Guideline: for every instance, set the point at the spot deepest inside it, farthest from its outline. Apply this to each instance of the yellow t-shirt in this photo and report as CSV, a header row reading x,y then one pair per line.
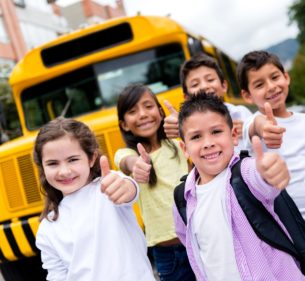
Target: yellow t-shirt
x,y
156,202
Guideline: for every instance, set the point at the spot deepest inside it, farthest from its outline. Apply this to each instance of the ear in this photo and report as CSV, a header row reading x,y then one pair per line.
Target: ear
x,y
92,161
161,111
234,135
124,126
225,86
287,77
183,148
246,96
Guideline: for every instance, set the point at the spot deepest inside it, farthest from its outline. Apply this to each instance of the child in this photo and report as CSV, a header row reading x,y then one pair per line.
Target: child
x,y
83,235
265,83
220,241
158,164
201,72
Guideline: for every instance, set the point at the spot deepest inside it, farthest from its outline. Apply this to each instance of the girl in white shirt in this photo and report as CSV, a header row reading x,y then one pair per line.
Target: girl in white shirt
x,y
88,230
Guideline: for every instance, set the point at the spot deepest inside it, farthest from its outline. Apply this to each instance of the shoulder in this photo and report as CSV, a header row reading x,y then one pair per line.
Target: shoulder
x,y
126,151
121,153
241,110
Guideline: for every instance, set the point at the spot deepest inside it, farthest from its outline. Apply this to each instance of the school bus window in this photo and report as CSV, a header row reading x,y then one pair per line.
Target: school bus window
x,y
87,44
95,86
158,68
67,98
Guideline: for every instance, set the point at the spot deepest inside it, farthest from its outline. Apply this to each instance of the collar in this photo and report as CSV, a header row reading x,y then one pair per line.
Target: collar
x,y
190,184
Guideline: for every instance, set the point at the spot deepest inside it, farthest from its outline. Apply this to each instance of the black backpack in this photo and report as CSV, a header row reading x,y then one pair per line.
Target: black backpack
x,y
262,222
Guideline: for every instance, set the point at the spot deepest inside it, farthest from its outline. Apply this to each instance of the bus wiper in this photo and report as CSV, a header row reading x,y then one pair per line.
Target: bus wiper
x,y
67,105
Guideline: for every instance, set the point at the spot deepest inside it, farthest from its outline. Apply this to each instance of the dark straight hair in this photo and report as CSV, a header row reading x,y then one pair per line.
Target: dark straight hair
x,y
127,100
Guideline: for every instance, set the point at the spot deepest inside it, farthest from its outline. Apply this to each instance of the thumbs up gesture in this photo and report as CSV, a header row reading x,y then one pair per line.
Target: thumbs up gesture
x,y
142,166
118,189
271,166
171,126
271,133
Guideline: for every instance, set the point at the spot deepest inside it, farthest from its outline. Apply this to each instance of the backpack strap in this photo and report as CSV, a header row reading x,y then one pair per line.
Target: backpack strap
x,y
291,217
262,222
180,200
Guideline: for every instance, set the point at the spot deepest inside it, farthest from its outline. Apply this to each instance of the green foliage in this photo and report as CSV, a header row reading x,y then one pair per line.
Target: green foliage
x,y
297,74
10,121
296,14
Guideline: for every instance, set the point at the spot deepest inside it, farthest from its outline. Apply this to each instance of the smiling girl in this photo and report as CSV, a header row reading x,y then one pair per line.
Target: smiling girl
x,y
157,163
88,229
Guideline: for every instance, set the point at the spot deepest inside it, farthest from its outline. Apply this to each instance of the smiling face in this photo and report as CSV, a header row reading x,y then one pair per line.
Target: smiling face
x,y
268,84
209,142
144,118
207,79
66,166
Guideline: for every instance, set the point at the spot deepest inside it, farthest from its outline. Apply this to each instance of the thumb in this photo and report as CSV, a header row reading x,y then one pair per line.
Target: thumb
x,y
105,167
170,108
269,113
257,148
144,155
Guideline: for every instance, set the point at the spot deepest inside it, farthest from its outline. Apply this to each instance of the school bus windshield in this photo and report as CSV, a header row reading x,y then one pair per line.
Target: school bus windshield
x,y
98,85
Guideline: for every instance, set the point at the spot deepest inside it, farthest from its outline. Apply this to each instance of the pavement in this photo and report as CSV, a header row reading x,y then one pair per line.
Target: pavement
x,y
1,278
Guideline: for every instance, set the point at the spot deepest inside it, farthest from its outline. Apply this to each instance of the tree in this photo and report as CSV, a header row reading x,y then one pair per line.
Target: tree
x,y
296,14
297,74
9,120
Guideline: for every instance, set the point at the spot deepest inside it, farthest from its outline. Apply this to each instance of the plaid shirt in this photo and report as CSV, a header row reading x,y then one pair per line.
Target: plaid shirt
x,y
256,260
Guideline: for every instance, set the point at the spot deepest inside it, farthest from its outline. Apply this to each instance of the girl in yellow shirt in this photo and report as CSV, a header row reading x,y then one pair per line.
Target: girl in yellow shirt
x,y
157,164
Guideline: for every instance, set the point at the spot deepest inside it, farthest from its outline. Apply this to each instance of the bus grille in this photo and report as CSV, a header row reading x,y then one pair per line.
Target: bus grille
x,y
28,179
11,184
21,188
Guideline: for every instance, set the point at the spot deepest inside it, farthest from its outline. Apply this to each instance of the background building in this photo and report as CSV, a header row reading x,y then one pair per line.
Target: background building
x,y
25,24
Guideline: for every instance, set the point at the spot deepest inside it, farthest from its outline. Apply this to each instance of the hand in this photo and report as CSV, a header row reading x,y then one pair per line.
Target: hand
x,y
171,126
119,190
271,166
238,125
271,133
141,168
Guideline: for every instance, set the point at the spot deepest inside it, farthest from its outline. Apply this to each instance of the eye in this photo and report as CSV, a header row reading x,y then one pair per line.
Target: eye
x,y
131,111
194,85
216,131
195,137
258,85
50,164
74,159
275,76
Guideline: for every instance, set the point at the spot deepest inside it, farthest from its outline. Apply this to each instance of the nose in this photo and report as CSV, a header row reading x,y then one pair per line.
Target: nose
x,y
207,143
205,87
270,85
64,170
142,112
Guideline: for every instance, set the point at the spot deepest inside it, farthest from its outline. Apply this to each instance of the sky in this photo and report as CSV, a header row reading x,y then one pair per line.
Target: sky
x,y
235,26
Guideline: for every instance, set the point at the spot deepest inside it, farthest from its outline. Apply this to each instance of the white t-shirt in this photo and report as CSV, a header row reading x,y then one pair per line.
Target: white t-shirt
x,y
239,112
292,150
213,232
93,239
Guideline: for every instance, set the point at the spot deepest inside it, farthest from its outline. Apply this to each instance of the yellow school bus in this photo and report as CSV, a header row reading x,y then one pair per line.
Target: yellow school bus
x,y
80,75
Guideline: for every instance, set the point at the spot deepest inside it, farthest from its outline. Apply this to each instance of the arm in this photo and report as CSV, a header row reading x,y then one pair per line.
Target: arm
x,y
119,188
49,257
180,227
138,166
265,126
267,175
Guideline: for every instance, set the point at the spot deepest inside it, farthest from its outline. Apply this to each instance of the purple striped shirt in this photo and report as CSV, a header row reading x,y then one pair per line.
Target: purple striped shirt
x,y
256,260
